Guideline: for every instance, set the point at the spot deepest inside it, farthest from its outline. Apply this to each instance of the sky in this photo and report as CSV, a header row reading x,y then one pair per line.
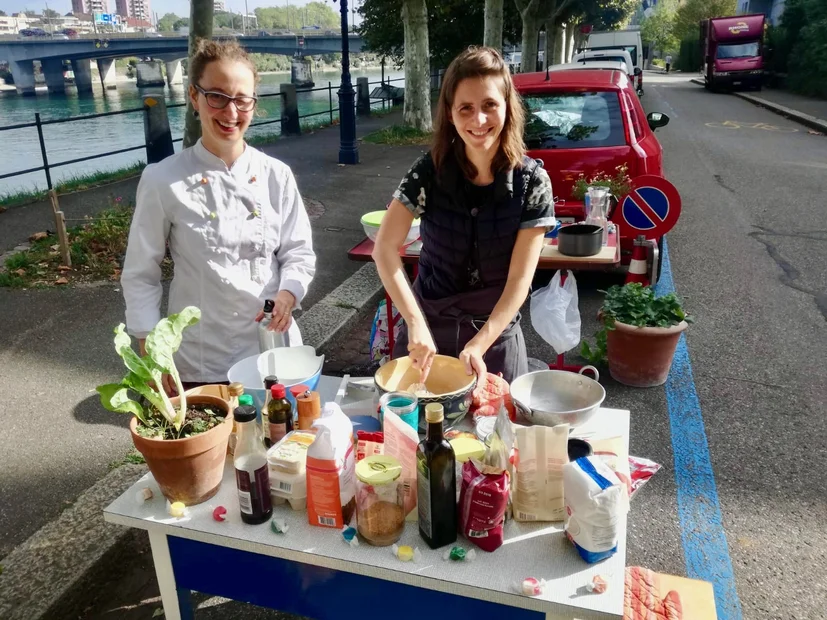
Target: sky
x,y
179,7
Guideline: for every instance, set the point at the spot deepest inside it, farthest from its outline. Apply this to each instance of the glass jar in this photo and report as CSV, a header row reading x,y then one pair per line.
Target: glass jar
x,y
380,500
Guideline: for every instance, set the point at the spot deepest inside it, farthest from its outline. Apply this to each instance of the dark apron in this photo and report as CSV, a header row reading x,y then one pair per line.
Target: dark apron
x,y
455,320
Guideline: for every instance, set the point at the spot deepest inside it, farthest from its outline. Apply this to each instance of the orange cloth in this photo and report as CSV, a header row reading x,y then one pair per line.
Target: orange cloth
x,y
642,601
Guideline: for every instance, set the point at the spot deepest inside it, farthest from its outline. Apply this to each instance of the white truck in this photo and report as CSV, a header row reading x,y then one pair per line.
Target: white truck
x,y
628,40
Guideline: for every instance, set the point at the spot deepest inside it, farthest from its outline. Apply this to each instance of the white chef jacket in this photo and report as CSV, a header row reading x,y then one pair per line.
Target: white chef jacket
x,y
237,235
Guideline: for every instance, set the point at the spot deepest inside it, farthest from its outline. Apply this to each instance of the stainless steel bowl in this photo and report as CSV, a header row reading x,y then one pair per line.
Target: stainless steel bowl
x,y
551,397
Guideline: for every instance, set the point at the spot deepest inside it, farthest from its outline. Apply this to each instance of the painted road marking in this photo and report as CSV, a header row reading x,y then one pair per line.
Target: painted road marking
x,y
740,125
706,553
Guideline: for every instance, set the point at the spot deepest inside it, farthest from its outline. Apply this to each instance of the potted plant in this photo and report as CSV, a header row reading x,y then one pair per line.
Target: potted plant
x,y
638,335
619,185
183,439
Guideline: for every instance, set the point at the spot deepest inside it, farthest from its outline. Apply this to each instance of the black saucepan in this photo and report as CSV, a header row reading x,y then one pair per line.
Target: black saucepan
x,y
580,239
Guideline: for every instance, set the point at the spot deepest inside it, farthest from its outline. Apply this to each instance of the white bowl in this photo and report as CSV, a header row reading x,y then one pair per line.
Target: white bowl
x,y
373,231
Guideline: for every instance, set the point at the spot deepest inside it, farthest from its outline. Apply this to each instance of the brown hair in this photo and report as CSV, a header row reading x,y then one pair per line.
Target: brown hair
x,y
207,51
478,62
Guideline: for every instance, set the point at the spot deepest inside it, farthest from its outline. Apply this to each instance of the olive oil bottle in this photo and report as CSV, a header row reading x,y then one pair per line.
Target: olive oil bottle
x,y
436,483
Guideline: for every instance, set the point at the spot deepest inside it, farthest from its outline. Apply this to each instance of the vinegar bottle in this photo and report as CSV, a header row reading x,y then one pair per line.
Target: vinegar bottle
x,y
251,473
436,483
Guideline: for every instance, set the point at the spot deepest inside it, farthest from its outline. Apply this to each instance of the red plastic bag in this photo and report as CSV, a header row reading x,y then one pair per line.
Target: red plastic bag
x,y
488,399
482,504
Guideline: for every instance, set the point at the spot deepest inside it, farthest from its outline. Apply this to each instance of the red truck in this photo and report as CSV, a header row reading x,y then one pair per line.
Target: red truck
x,y
732,51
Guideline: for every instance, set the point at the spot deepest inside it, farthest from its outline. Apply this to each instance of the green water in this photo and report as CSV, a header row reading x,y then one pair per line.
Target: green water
x,y
65,141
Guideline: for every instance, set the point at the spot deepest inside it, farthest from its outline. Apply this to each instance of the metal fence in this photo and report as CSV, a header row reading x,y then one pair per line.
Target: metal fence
x,y
47,166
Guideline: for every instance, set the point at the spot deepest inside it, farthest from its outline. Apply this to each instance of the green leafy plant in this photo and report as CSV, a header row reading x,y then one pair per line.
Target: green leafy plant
x,y
145,374
636,305
619,183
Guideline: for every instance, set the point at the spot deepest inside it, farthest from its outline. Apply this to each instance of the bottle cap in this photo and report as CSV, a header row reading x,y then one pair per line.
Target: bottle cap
x,y
245,399
298,390
269,304
378,469
278,391
270,381
434,412
236,389
244,413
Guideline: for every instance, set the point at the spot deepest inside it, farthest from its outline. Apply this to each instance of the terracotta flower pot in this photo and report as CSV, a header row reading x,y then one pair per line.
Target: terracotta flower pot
x,y
188,470
642,356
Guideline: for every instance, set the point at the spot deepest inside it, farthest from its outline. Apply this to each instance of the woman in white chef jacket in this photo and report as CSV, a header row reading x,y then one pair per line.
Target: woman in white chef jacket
x,y
237,229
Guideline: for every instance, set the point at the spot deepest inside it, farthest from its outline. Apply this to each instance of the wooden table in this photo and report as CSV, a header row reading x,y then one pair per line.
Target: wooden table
x,y
311,571
550,259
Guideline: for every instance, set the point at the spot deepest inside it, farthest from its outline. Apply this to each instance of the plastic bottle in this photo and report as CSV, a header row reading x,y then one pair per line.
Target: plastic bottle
x,y
251,471
268,339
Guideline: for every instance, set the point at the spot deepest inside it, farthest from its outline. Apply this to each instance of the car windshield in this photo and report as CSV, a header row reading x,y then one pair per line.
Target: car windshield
x,y
602,59
573,120
738,50
632,49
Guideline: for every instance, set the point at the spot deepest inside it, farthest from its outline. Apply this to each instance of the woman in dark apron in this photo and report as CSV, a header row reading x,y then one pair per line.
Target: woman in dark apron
x,y
485,208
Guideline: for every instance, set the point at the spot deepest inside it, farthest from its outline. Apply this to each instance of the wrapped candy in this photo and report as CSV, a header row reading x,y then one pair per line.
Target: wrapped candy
x,y
349,536
177,510
459,554
144,495
219,514
405,553
279,526
597,585
531,586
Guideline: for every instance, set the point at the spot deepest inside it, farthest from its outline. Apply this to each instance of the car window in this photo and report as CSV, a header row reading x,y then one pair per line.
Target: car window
x,y
632,49
736,50
573,120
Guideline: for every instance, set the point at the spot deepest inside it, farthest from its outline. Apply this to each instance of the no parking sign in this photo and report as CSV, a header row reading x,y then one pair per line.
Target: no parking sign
x,y
651,208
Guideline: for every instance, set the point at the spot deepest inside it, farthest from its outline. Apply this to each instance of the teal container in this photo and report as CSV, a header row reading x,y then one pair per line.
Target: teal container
x,y
403,404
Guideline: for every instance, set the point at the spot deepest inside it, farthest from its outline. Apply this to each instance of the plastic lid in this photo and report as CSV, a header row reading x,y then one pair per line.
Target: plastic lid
x,y
245,399
298,390
378,469
270,381
374,218
269,304
236,389
278,391
244,413
434,412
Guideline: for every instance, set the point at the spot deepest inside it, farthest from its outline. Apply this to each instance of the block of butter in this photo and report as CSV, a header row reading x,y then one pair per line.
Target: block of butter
x,y
290,454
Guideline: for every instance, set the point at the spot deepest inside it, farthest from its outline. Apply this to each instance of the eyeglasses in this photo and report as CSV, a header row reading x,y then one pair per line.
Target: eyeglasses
x,y
219,101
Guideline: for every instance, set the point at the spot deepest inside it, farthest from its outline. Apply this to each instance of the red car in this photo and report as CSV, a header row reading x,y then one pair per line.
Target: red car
x,y
588,121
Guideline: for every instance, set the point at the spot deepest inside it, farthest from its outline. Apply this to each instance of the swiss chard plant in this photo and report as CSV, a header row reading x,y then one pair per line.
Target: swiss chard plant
x,y
145,374
636,305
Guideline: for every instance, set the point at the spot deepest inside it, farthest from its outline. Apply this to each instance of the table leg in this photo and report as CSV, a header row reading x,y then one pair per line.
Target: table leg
x,y
176,601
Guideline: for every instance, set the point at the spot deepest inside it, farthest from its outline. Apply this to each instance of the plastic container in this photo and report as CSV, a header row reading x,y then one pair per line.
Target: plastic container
x,y
379,500
373,220
403,404
290,488
290,454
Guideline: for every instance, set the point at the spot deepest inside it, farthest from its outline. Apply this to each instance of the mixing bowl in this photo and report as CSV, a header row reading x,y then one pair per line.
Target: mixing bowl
x,y
371,222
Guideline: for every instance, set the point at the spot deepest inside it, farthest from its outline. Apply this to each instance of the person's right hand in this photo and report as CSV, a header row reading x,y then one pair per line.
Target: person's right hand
x,y
421,349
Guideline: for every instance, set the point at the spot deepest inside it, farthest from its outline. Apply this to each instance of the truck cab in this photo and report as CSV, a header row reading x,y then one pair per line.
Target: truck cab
x,y
732,49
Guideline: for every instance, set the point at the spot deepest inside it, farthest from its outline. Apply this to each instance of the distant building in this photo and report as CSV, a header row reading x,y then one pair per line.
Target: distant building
x,y
218,5
773,9
138,9
90,6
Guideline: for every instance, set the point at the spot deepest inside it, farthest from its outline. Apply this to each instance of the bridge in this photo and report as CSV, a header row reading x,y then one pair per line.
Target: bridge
x,y
53,52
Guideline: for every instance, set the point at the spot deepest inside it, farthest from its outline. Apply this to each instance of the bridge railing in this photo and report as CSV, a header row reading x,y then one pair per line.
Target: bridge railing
x,y
41,124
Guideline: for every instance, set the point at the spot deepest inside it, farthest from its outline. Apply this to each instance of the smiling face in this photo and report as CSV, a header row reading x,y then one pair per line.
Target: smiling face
x,y
478,113
222,130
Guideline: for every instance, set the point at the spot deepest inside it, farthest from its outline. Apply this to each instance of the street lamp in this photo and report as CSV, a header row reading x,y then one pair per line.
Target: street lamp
x,y
348,149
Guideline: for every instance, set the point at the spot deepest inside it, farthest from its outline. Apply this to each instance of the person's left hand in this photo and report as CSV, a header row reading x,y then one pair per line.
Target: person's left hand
x,y
282,312
471,356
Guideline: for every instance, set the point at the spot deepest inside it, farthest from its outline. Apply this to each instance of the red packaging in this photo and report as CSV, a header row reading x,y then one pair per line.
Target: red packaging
x,y
482,504
369,443
488,398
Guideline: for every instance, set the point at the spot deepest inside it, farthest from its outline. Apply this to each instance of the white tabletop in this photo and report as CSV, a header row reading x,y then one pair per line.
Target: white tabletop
x,y
530,550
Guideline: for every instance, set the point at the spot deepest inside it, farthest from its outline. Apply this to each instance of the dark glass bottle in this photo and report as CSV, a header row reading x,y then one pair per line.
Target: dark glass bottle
x,y
251,471
269,382
436,483
279,414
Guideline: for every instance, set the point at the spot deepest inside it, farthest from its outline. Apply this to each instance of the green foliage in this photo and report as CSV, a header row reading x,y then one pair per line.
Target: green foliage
x,y
657,29
691,12
636,305
619,183
689,56
167,22
602,14
453,25
292,17
803,46
399,135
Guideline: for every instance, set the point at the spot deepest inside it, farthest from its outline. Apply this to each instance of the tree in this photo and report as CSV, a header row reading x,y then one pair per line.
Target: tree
x,y
184,22
658,26
691,12
49,13
201,20
534,14
417,110
167,22
3,14
801,45
493,36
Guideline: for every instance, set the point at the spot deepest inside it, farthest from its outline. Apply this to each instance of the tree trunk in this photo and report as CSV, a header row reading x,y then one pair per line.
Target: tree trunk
x,y
571,28
417,111
493,35
531,33
559,31
201,17
548,49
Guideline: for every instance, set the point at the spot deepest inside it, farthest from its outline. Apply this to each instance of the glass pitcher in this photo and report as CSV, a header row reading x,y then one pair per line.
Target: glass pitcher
x,y
598,209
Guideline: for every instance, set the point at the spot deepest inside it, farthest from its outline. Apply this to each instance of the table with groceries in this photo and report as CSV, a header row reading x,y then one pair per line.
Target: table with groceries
x,y
460,497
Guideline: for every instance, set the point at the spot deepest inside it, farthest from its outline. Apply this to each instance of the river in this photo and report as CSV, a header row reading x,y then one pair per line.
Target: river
x,y
66,141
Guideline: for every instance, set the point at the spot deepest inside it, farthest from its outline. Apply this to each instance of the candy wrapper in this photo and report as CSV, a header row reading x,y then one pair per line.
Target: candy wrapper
x,y
279,526
641,470
349,536
459,554
220,513
530,586
597,585
405,553
143,496
177,510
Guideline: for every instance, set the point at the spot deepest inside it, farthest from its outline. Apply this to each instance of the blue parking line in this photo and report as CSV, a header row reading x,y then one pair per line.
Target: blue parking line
x,y
706,552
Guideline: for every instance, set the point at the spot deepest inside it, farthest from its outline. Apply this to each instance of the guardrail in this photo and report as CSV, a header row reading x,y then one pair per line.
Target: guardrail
x,y
47,166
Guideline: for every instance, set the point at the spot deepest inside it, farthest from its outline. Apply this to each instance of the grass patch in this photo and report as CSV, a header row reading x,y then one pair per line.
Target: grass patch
x,y
72,184
399,135
133,458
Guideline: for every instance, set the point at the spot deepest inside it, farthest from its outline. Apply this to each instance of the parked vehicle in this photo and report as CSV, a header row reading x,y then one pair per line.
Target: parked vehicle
x,y
628,40
603,65
70,32
581,122
732,50
34,32
591,57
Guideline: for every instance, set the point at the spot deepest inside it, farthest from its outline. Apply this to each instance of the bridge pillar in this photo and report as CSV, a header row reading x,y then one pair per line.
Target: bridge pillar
x,y
53,72
175,76
289,110
362,97
23,73
108,74
149,74
301,73
83,74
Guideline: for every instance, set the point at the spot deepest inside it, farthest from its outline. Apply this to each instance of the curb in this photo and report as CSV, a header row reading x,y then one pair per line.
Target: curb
x,y
800,117
48,576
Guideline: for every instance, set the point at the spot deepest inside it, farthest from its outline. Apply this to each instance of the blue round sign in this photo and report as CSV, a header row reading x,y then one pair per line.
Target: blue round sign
x,y
651,208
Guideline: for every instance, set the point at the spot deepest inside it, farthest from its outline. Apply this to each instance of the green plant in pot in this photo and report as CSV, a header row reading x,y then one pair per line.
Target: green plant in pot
x,y
184,438
638,335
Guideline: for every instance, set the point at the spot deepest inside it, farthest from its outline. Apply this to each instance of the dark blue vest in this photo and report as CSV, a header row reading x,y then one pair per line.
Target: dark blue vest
x,y
468,247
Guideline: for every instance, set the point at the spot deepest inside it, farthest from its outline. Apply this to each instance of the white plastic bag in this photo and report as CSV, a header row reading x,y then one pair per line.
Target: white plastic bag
x,y
555,314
